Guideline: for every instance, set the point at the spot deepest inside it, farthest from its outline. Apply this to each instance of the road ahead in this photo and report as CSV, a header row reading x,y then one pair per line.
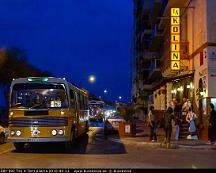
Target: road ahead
x,y
96,151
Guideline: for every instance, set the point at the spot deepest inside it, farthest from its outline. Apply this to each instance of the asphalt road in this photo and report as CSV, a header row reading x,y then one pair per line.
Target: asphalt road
x,y
95,150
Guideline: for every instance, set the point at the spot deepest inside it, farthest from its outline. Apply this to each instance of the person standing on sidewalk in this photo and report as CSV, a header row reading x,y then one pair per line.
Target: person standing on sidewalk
x,y
168,117
190,118
212,125
177,119
152,124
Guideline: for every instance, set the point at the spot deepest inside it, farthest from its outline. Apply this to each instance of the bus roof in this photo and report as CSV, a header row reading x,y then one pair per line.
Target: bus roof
x,y
48,80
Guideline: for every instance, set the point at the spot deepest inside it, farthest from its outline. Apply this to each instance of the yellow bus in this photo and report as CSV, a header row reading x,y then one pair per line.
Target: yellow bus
x,y
46,109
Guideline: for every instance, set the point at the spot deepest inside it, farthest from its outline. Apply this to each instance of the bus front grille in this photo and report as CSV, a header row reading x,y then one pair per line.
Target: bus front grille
x,y
44,122
31,113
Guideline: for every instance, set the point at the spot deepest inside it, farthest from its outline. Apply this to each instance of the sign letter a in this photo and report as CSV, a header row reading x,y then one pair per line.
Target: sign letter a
x,y
175,12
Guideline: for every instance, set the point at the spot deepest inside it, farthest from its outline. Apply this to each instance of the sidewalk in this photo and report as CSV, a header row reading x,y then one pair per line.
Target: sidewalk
x,y
142,138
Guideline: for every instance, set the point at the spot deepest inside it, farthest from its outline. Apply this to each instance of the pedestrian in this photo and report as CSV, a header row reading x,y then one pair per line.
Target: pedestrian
x,y
168,117
177,119
152,124
190,118
185,107
177,126
212,125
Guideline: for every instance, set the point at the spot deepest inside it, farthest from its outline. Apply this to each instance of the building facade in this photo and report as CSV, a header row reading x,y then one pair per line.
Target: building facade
x,y
160,40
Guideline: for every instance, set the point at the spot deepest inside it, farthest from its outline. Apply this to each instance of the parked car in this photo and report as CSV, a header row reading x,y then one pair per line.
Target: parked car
x,y
2,135
111,124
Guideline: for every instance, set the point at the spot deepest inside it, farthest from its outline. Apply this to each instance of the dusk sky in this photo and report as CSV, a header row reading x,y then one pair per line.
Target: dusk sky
x,y
74,39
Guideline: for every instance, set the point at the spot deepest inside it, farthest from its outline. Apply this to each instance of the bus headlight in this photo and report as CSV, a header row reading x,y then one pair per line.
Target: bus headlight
x,y
18,133
54,132
60,132
12,133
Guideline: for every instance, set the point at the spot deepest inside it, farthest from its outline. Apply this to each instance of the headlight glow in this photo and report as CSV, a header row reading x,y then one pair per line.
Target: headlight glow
x,y
60,132
18,133
54,132
12,133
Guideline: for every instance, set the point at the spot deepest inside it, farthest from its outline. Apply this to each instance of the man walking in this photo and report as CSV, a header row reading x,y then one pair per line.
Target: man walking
x,y
212,125
152,124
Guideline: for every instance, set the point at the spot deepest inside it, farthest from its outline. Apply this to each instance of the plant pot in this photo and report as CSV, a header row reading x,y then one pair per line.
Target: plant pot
x,y
127,129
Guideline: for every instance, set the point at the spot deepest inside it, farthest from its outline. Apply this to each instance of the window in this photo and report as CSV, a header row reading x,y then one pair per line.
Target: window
x,y
72,98
39,96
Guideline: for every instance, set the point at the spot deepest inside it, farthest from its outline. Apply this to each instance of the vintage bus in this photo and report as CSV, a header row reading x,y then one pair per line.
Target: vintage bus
x,y
46,109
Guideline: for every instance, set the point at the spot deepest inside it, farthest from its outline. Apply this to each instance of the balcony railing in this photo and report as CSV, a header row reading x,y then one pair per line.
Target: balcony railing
x,y
155,70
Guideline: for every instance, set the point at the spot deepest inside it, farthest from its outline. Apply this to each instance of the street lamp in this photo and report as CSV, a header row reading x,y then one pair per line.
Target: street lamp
x,y
91,79
105,91
120,97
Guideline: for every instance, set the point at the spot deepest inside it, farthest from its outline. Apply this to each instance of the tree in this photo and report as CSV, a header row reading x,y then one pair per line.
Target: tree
x,y
14,64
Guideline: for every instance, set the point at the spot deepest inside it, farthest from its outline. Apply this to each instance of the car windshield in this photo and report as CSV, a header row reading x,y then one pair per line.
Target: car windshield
x,y
39,96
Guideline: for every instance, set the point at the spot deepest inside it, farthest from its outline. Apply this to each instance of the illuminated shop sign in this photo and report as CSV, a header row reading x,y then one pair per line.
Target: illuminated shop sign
x,y
175,39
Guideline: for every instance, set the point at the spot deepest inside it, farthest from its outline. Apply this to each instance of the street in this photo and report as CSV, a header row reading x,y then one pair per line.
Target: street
x,y
94,150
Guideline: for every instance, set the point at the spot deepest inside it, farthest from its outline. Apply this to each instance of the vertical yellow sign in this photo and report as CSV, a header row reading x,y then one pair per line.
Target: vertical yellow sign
x,y
175,39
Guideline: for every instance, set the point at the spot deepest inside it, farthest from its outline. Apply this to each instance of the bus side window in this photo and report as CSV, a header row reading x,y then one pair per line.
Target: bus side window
x,y
72,98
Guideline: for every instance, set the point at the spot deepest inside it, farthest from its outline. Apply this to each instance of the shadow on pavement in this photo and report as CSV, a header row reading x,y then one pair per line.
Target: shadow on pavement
x,y
96,144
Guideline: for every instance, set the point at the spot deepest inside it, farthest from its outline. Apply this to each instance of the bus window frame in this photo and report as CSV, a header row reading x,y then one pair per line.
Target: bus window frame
x,y
72,101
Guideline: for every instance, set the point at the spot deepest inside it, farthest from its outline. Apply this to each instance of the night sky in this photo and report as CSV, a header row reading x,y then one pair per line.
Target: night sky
x,y
74,39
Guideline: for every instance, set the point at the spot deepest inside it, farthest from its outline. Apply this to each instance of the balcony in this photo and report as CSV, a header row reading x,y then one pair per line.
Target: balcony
x,y
156,7
150,87
155,70
157,38
151,55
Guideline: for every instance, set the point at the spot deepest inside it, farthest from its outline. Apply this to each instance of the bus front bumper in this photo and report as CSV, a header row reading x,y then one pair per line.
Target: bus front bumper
x,y
36,140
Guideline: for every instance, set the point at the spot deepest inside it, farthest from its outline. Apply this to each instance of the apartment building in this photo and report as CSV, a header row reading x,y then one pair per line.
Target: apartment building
x,y
175,55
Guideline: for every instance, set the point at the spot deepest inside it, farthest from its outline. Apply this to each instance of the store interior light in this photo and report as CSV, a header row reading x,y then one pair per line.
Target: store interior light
x,y
174,91
191,85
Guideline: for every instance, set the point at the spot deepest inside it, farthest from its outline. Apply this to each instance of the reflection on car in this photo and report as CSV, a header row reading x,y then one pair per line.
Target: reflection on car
x,y
112,123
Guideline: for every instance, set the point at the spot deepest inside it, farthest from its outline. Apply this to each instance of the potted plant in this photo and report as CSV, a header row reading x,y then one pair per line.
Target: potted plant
x,y
127,127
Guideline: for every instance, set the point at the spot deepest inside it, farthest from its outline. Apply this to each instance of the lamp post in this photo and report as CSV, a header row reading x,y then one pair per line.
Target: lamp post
x,y
91,79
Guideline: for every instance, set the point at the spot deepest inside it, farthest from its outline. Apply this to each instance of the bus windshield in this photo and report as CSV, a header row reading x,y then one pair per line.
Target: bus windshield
x,y
39,96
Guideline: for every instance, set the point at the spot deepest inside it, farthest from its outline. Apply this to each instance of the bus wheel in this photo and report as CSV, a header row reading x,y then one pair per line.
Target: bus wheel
x,y
20,146
2,138
69,144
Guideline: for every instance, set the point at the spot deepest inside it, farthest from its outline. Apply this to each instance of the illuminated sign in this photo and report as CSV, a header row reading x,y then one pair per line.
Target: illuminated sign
x,y
175,39
175,65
